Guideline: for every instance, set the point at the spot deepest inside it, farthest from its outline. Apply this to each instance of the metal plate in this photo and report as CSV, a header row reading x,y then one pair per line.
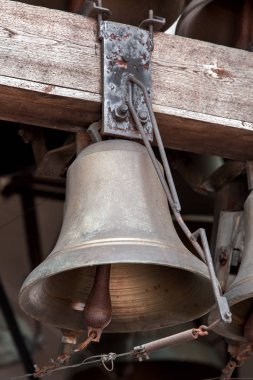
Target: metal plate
x,y
126,49
229,246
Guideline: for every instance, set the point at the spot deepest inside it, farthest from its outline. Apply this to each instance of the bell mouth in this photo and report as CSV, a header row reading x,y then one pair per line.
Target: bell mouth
x,y
150,287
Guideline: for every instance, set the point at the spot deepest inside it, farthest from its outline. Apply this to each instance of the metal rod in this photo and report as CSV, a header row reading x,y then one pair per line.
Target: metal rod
x,y
175,209
149,149
180,338
100,19
151,29
94,131
172,196
159,143
15,331
221,301
228,371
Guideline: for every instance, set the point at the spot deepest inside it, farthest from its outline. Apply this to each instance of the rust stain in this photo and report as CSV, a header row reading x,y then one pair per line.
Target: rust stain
x,y
48,88
214,71
114,36
221,73
121,63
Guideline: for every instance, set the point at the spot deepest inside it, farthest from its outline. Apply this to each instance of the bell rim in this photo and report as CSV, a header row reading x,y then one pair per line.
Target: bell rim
x,y
31,281
192,9
234,296
233,331
229,331
98,258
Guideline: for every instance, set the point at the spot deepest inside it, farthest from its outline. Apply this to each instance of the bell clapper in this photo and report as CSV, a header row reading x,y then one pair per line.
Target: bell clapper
x,y
98,310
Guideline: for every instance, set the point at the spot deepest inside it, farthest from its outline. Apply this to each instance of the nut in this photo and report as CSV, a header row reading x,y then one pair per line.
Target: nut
x,y
143,116
121,112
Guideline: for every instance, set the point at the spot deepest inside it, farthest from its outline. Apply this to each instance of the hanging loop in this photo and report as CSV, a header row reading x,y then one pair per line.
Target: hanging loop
x,y
108,358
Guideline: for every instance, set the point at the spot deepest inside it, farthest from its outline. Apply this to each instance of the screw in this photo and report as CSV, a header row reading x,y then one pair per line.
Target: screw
x,y
143,116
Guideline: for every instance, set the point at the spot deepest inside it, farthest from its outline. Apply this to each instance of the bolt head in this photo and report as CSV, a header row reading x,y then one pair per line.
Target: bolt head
x,y
122,109
121,112
143,116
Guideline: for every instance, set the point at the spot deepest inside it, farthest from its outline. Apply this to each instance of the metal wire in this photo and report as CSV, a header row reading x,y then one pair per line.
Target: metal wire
x,y
103,358
108,360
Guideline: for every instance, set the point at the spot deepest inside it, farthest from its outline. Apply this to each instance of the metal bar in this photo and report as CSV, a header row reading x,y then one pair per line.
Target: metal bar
x,y
180,338
221,301
159,142
174,204
228,371
15,331
222,304
151,29
149,149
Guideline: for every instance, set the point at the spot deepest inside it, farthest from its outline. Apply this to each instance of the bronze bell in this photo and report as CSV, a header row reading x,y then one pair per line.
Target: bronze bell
x,y
133,12
240,293
224,22
116,212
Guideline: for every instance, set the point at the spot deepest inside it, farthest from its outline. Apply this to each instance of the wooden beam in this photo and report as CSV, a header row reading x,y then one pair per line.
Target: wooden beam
x,y
50,76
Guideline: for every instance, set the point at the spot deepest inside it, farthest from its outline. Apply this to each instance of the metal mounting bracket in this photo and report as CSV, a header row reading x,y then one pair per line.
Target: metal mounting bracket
x,y
91,9
156,21
126,50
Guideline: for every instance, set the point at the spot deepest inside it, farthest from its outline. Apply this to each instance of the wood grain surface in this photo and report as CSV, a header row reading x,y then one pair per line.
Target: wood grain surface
x,y
50,76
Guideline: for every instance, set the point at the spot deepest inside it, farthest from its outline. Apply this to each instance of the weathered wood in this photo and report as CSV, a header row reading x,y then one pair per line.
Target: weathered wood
x,y
50,76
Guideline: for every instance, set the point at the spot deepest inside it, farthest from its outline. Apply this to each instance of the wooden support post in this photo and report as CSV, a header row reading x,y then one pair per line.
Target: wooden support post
x,y
50,76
